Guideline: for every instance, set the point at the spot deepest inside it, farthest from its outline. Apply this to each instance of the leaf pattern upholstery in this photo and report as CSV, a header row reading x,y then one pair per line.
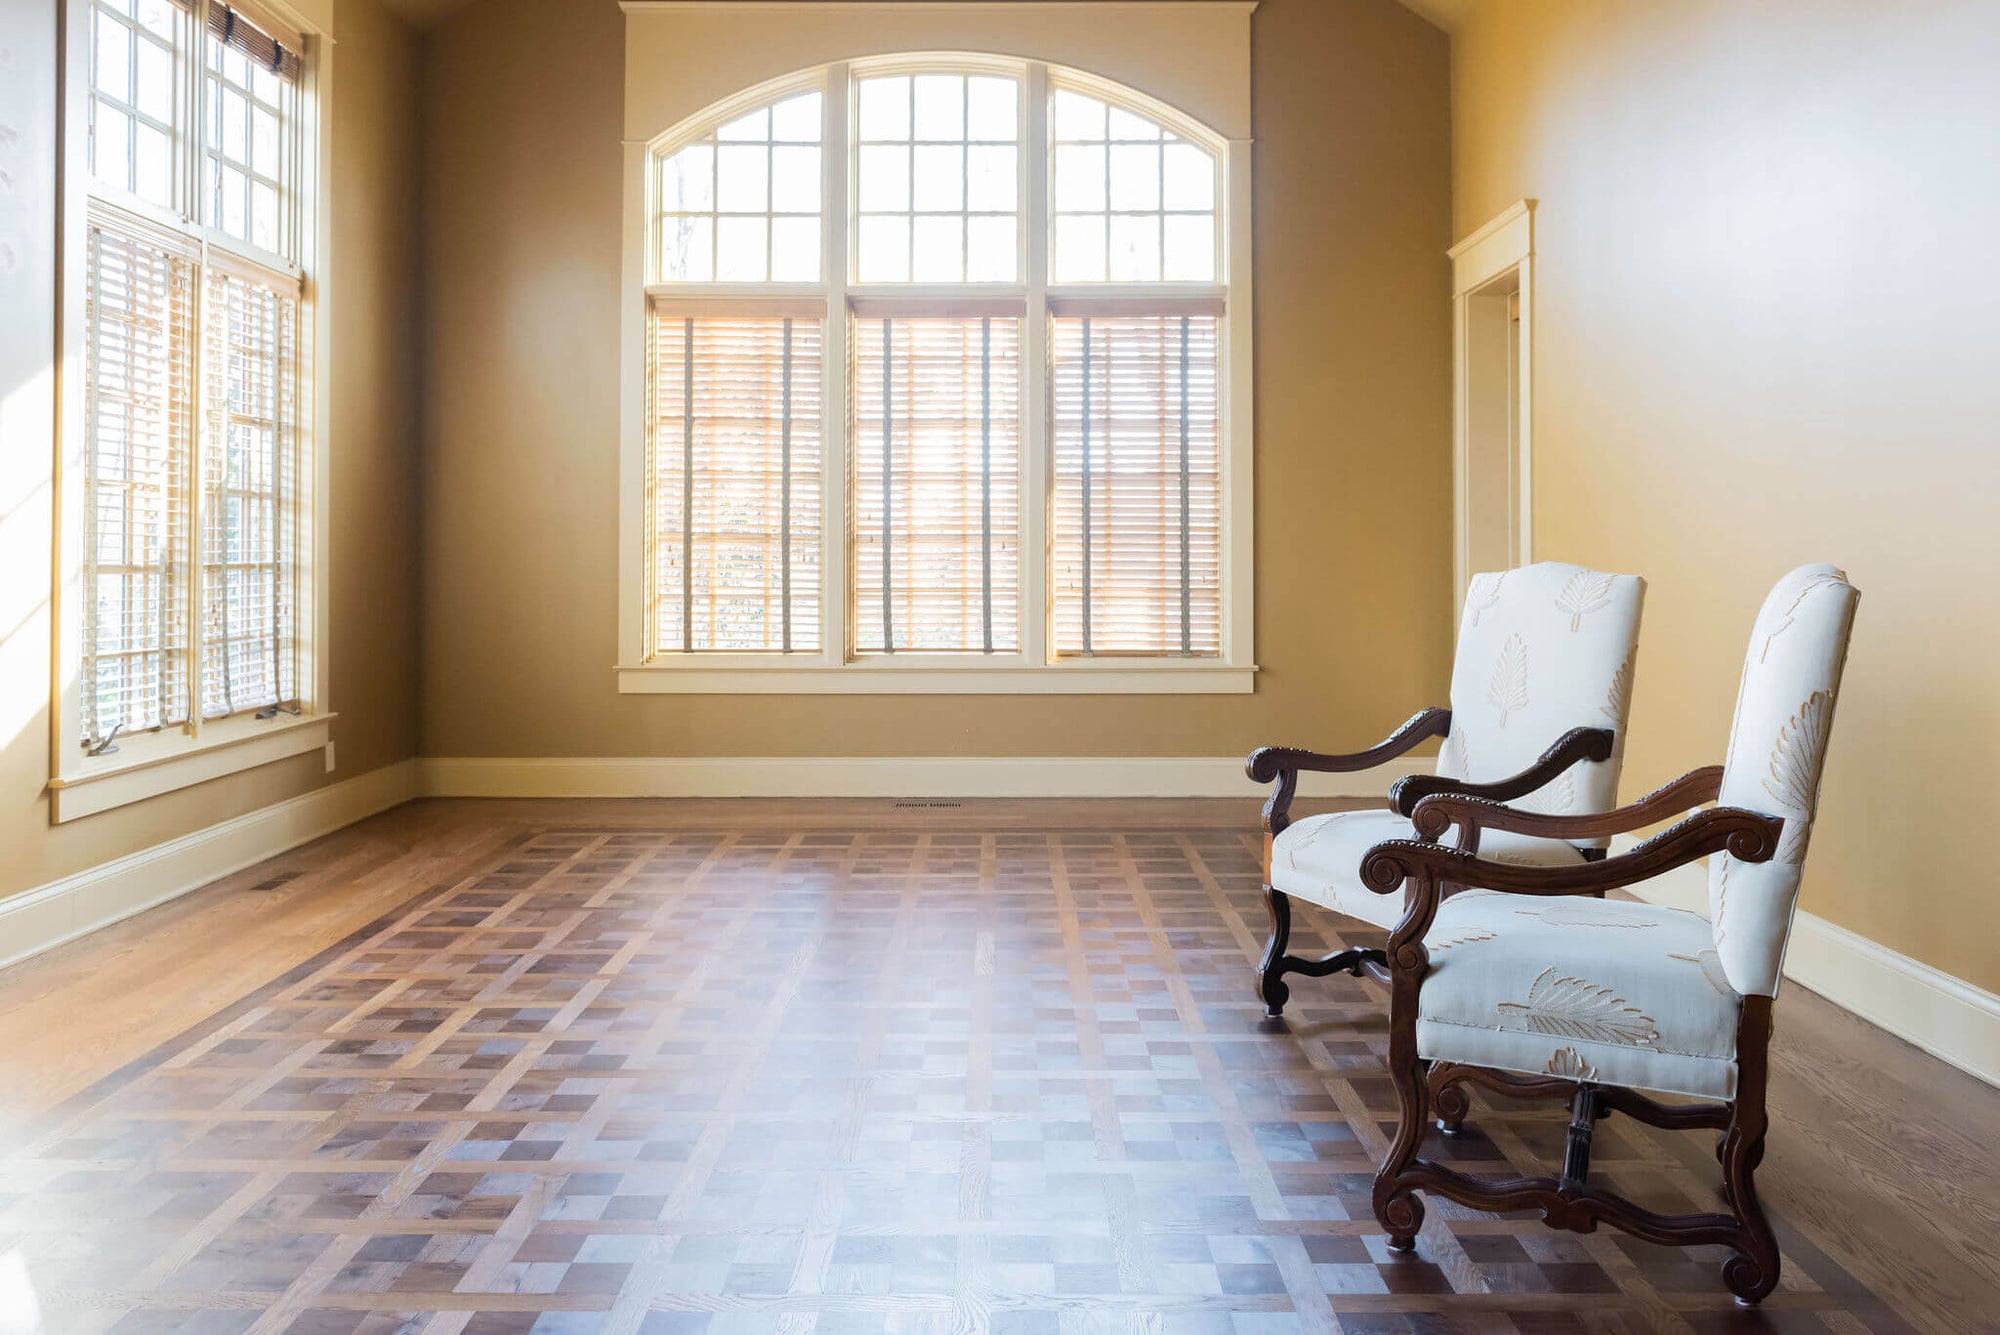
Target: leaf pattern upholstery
x,y
1610,990
1775,763
1541,650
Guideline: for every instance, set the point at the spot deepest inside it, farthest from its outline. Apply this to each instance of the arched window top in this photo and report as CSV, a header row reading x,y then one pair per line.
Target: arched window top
x,y
942,162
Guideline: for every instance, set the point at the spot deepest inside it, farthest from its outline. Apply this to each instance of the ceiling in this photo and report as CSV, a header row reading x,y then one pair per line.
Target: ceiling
x,y
1446,14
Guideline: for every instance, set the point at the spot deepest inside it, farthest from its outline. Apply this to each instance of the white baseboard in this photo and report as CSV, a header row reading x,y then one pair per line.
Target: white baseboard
x,y
883,776
1945,1016
51,914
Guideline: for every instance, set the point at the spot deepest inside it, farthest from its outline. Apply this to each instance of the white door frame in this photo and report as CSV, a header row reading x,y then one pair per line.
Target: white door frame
x,y
1501,248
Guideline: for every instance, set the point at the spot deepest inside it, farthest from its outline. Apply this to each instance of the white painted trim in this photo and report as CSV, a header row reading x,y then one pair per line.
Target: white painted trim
x,y
89,791
48,915
876,776
1095,6
1945,1016
866,678
1504,244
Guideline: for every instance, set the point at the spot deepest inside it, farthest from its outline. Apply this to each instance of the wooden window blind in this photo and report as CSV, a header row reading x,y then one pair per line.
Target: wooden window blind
x,y
255,36
138,369
1137,504
935,478
733,482
251,496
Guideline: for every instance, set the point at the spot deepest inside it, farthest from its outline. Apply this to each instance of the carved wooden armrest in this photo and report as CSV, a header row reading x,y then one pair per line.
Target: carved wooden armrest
x,y
1283,764
1438,813
1576,745
1426,868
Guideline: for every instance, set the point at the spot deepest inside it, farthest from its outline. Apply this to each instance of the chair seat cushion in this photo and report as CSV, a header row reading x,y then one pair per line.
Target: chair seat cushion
x,y
1318,859
1610,991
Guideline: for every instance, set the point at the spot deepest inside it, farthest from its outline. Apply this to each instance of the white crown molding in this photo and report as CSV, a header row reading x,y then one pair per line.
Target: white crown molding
x,y
61,910
883,776
1945,1016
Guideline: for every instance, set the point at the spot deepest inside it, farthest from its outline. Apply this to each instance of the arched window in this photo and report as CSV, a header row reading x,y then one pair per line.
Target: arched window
x,y
936,384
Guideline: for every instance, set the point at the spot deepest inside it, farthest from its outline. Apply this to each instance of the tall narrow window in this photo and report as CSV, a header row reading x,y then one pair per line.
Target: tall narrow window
x,y
1137,564
936,497
733,483
195,476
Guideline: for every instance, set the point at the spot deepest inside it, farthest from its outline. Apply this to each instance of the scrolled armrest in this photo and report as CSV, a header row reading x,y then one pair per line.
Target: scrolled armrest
x,y
1283,764
1428,868
1440,812
1578,744
1747,836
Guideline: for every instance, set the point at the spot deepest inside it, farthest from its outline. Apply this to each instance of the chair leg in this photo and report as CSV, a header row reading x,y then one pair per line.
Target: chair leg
x,y
1752,1272
1271,987
1397,1207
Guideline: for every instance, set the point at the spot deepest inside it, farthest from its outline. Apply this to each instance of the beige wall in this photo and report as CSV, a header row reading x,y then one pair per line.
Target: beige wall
x,y
524,110
1764,335
373,446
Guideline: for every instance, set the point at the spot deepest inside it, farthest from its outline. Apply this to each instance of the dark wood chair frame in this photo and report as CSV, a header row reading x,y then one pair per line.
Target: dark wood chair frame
x,y
1426,872
1282,766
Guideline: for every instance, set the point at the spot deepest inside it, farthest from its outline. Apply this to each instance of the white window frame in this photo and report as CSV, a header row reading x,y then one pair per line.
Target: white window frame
x,y
1034,668
151,764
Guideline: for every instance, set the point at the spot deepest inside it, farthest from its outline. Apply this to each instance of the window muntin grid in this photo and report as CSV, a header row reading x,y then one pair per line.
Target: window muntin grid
x,y
134,99
937,178
1130,201
742,204
247,172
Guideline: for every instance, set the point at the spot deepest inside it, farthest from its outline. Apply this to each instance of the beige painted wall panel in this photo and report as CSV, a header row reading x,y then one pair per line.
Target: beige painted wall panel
x,y
373,449
1765,335
524,114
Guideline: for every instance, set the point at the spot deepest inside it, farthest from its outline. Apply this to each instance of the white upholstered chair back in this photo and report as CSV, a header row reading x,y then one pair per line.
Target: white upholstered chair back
x,y
1541,650
1777,753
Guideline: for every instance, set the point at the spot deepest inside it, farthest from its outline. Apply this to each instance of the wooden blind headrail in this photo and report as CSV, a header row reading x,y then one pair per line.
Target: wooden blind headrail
x,y
257,33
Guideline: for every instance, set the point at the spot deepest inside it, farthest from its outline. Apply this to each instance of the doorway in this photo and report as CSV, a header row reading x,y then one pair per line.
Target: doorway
x,y
1492,285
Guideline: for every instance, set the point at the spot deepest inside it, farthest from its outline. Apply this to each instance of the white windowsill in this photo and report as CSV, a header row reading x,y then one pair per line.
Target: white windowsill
x,y
148,766
875,677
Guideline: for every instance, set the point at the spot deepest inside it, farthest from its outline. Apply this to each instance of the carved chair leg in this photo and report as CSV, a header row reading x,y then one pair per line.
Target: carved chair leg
x,y
1271,987
1752,1272
1397,1207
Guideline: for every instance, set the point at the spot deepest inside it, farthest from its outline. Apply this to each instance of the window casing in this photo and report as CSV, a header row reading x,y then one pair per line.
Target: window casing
x,y
187,594
953,481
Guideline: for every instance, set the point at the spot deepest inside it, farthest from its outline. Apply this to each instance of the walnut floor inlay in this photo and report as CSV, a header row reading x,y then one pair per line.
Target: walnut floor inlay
x,y
623,1078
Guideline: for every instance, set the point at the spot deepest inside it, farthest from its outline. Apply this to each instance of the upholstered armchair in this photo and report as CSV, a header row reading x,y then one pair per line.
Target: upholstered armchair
x,y
1503,977
1539,690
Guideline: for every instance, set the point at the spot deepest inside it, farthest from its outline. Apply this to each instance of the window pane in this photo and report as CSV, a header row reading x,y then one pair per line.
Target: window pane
x,y
1132,201
955,165
251,493
992,248
740,249
139,362
935,477
1137,552
733,475
253,119
742,204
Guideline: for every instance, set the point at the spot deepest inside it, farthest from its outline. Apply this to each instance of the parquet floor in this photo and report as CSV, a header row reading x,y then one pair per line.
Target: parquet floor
x,y
606,1073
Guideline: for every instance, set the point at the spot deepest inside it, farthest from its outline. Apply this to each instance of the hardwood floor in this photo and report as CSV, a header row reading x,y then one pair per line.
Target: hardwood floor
x,y
829,1065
